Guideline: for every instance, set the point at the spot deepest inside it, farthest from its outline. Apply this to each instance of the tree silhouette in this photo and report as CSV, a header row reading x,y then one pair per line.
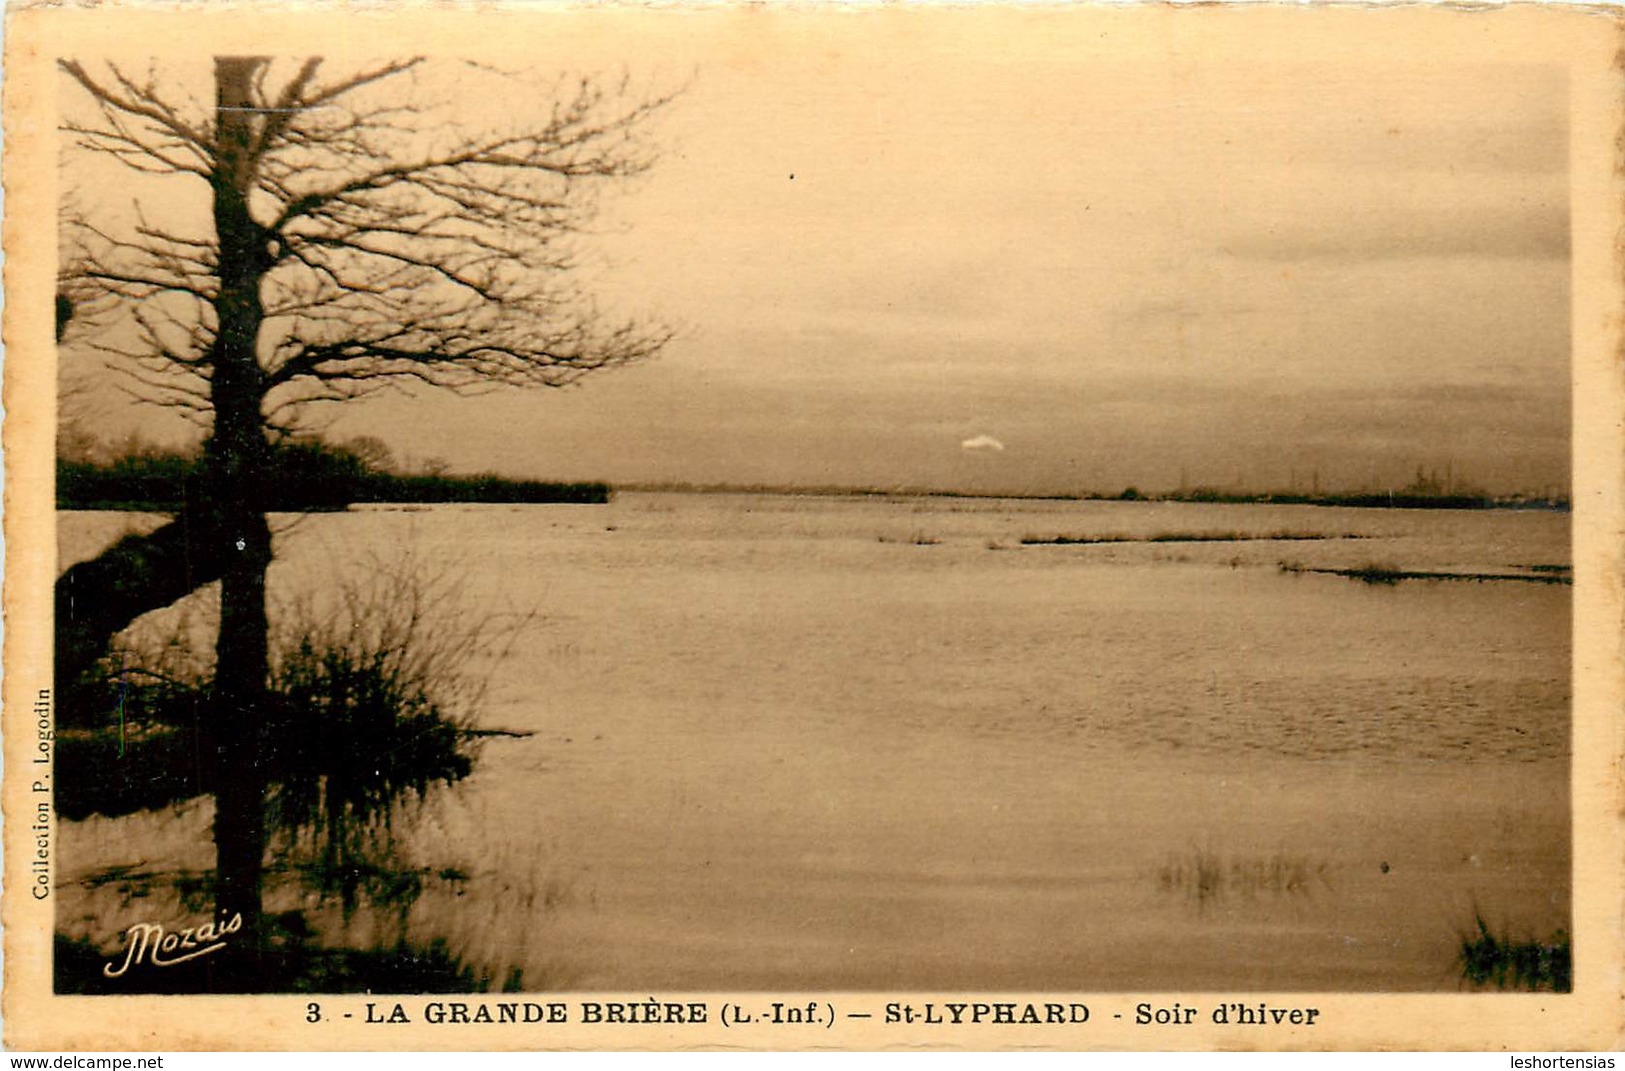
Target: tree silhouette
x,y
337,235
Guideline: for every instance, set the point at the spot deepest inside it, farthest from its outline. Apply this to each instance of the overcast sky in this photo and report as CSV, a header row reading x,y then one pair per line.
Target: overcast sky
x,y
922,260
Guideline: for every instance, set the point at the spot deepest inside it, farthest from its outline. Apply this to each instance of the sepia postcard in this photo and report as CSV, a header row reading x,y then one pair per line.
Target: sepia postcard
x,y
813,527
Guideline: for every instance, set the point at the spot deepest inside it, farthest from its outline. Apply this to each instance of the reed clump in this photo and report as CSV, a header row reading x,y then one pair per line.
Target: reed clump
x,y
1500,961
1282,536
373,690
1207,876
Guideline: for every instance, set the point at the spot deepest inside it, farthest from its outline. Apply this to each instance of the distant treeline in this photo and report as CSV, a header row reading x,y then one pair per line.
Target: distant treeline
x,y
303,475
1408,498
1405,499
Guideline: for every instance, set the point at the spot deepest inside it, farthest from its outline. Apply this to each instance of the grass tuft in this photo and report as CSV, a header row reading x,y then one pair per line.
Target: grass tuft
x,y
1497,960
918,539
1374,573
1184,537
1206,876
1389,575
373,689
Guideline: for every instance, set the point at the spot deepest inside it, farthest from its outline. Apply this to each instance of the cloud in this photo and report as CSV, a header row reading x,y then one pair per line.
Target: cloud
x,y
982,444
1536,227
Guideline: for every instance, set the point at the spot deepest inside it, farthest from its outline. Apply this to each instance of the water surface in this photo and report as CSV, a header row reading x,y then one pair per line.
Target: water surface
x,y
857,742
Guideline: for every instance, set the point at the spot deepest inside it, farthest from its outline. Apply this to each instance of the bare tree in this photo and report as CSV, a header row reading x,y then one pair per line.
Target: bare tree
x,y
348,233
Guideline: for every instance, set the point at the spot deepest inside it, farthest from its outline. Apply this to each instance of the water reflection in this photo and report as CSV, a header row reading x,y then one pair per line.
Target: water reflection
x,y
794,743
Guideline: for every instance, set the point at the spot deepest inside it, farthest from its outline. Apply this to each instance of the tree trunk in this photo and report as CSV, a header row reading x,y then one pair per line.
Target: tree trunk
x,y
98,598
239,699
236,465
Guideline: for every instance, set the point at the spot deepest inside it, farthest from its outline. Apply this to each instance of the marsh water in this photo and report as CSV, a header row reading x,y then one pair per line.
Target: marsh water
x,y
804,742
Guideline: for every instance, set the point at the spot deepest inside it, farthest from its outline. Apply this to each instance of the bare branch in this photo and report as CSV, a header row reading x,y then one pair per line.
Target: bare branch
x,y
387,242
124,96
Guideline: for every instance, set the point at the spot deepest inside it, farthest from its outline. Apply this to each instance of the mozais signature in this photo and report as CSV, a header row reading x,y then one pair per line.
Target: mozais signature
x,y
150,942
